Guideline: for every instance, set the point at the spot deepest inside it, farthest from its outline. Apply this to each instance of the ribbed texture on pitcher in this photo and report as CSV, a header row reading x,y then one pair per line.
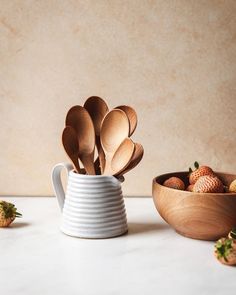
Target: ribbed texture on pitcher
x,y
94,207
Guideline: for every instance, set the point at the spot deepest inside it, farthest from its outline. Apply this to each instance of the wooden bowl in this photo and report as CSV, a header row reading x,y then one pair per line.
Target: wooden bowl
x,y
204,216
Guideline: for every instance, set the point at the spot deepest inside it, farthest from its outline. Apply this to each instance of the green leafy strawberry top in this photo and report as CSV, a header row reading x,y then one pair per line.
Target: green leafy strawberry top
x,y
223,248
9,210
196,166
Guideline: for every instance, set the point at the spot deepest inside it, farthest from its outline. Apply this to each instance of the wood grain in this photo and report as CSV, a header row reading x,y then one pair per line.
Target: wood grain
x,y
71,146
135,160
121,158
205,216
97,109
115,128
79,118
132,116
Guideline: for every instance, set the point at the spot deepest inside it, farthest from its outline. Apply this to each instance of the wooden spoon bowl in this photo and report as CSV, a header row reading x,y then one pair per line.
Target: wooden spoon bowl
x,y
204,216
97,109
121,158
71,146
136,158
132,116
115,128
79,119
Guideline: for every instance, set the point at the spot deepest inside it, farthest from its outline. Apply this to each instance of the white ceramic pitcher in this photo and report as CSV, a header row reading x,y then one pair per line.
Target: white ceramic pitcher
x,y
93,206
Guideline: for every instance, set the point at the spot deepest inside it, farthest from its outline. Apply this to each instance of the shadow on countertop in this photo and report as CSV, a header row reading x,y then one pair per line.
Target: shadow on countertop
x,y
138,227
19,224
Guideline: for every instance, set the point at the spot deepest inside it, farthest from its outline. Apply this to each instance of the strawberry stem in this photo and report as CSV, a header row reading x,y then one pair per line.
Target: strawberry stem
x,y
196,164
17,214
233,233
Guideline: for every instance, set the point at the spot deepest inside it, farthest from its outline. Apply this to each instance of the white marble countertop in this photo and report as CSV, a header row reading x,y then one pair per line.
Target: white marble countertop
x,y
36,258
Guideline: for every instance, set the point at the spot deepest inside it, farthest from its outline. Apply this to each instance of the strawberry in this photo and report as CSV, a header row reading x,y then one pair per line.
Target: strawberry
x,y
190,188
198,172
232,187
175,182
208,184
8,213
225,251
232,234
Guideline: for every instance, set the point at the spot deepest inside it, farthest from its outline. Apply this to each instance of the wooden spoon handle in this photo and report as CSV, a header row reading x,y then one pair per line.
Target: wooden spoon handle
x,y
87,160
101,154
128,168
75,162
97,166
107,167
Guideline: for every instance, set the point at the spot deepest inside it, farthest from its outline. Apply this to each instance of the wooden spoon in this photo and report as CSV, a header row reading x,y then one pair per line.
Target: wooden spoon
x,y
70,143
132,116
78,118
97,109
136,158
115,128
121,158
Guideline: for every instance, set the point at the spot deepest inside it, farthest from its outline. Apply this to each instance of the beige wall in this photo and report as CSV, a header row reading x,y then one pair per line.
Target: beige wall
x,y
174,61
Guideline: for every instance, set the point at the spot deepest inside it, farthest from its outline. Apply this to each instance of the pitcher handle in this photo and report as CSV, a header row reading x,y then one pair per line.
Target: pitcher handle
x,y
56,182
